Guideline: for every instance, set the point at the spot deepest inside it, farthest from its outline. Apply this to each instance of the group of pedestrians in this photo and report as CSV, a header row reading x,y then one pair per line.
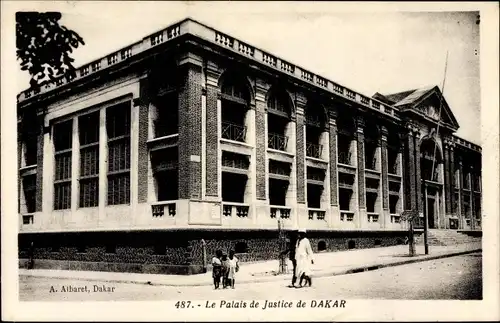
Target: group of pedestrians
x,y
299,251
224,268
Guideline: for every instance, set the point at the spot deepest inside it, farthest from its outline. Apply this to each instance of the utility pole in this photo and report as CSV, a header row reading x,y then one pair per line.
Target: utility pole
x,y
282,246
426,215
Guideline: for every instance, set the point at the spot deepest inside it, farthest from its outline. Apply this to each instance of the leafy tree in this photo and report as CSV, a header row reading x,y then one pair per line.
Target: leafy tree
x,y
44,46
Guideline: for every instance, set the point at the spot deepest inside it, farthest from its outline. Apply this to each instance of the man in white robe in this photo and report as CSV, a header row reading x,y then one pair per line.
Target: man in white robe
x,y
304,258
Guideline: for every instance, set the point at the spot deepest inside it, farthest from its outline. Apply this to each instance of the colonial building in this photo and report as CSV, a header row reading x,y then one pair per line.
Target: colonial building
x,y
190,140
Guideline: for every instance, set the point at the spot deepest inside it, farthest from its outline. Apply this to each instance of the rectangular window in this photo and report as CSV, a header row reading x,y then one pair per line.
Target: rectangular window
x,y
89,159
314,193
392,160
345,199
29,189
30,150
63,140
164,163
166,122
118,129
393,203
277,191
233,187
370,151
344,148
371,201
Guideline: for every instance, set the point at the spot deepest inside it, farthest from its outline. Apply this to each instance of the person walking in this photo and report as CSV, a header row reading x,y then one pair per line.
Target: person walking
x,y
304,258
292,244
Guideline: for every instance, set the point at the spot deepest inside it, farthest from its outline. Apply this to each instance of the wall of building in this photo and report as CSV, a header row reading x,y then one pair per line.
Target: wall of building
x,y
179,251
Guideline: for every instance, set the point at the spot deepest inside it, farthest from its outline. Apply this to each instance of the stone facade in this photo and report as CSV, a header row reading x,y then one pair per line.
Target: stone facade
x,y
223,140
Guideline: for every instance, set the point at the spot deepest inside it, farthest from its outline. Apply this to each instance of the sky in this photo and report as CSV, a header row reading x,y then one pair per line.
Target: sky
x,y
369,51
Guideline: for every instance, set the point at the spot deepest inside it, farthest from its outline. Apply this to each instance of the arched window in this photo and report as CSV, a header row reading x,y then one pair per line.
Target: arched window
x,y
322,245
235,100
241,247
278,117
430,156
279,102
233,87
351,244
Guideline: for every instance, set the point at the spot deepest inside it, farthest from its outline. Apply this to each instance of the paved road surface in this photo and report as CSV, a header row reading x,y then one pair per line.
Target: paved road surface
x,y
448,278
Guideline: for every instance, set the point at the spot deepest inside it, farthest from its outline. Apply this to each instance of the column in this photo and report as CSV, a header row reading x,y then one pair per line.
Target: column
x,y
103,162
142,143
418,179
325,155
42,137
447,177
334,186
75,166
47,157
461,193
360,139
300,150
385,178
452,176
190,152
411,169
212,121
403,171
261,142
472,199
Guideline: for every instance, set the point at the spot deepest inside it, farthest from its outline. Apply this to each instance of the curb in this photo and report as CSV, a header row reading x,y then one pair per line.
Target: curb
x,y
271,278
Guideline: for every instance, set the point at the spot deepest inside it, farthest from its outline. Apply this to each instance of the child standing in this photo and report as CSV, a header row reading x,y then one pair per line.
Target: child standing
x,y
225,271
233,268
217,268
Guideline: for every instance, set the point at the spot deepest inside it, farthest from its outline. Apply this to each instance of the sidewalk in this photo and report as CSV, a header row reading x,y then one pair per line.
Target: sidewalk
x,y
325,264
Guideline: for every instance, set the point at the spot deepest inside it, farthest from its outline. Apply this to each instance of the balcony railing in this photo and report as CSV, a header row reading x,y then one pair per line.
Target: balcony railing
x,y
28,218
372,217
233,208
395,218
317,214
344,158
277,141
281,212
313,150
160,208
346,216
233,131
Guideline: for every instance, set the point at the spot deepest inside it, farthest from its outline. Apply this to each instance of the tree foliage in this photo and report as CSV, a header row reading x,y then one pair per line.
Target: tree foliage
x,y
44,46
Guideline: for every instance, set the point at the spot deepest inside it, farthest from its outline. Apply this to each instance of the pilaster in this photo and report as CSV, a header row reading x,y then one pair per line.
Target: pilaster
x,y
41,139
212,138
333,159
462,215
142,147
300,149
472,200
452,176
75,166
418,179
411,166
361,220
384,178
261,140
447,177
103,163
190,124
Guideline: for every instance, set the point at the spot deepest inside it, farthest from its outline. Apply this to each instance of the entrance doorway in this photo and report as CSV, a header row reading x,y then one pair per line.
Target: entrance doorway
x,y
430,212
